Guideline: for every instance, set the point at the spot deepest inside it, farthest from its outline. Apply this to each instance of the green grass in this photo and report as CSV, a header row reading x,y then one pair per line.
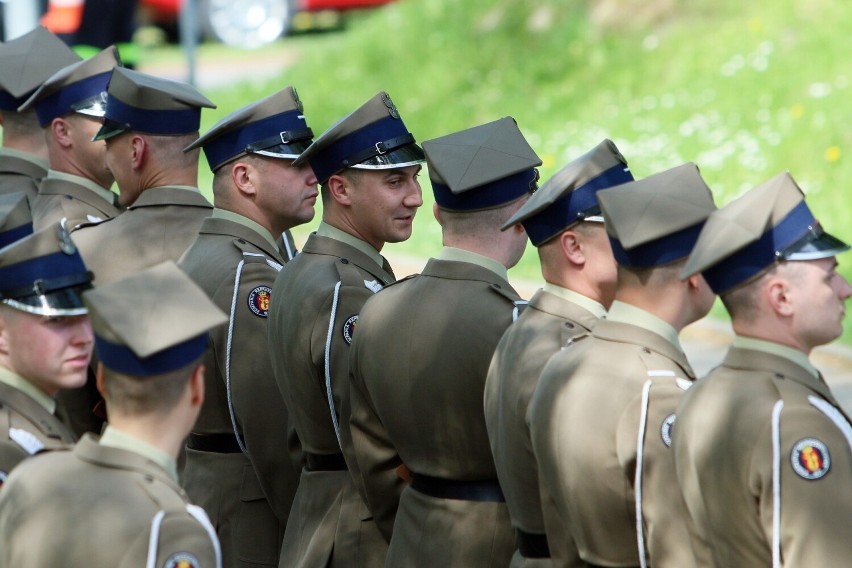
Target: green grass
x,y
744,89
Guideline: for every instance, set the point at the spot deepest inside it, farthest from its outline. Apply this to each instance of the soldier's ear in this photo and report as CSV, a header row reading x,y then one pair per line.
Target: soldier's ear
x,y
572,247
340,189
61,132
242,175
138,151
100,381
436,211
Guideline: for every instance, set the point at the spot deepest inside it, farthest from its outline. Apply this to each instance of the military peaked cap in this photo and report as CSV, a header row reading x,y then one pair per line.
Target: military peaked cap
x,y
569,197
151,322
481,167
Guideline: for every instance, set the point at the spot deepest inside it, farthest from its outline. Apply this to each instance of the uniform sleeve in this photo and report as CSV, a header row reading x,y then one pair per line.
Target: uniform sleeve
x,y
668,529
258,404
175,539
815,462
548,432
378,475
11,454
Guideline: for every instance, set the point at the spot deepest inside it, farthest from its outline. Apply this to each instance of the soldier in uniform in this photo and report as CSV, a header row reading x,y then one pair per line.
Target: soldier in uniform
x,y
763,449
147,124
115,500
421,354
563,221
367,165
236,464
25,63
45,337
601,415
69,106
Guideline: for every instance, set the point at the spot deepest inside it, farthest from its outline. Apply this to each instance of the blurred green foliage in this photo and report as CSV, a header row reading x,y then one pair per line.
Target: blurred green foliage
x,y
743,89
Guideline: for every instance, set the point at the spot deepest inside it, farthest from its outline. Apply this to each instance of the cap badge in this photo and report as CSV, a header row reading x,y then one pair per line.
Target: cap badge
x,y
810,459
666,430
391,107
298,101
349,328
66,245
258,300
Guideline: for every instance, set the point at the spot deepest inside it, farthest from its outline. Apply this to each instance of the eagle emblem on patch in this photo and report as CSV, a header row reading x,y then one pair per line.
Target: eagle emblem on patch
x,y
182,560
349,328
258,300
666,429
810,459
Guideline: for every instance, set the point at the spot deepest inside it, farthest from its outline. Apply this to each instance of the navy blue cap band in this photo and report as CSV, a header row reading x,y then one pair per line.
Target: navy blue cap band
x,y
657,252
10,103
12,235
23,275
755,257
486,196
573,207
224,147
59,103
121,359
152,121
339,154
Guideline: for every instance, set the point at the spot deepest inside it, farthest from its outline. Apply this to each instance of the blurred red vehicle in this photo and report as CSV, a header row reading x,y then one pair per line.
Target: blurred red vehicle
x,y
247,23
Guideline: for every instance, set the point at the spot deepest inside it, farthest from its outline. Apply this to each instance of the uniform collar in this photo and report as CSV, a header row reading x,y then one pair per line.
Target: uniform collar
x,y
26,156
115,438
106,194
461,255
581,300
326,230
628,313
245,222
783,351
18,382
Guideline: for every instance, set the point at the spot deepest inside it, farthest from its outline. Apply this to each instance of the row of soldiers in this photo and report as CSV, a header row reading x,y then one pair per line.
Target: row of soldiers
x,y
270,408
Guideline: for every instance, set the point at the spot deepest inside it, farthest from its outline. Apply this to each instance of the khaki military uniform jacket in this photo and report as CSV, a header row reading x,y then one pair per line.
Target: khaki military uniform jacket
x,y
26,428
764,455
159,226
247,493
600,421
63,199
20,174
419,363
549,324
315,304
100,506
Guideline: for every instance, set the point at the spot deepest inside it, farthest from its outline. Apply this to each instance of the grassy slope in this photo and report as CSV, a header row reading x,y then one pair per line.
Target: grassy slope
x,y
745,90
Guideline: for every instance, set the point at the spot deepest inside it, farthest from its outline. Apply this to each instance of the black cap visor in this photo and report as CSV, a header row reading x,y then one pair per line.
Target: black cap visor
x,y
65,302
409,155
814,245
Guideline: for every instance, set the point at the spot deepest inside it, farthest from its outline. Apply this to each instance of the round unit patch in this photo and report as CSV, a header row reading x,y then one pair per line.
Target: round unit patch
x,y
258,300
666,430
182,560
349,328
810,458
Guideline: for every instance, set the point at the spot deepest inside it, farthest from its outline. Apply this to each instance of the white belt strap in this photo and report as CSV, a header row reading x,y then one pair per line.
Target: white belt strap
x,y
640,448
776,484
228,355
328,391
153,539
834,415
201,516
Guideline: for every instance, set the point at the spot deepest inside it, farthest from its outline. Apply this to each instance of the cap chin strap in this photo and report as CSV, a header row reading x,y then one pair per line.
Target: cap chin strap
x,y
379,149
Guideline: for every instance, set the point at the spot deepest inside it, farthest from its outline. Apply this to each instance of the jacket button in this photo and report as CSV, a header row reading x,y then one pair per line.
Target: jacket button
x,y
344,261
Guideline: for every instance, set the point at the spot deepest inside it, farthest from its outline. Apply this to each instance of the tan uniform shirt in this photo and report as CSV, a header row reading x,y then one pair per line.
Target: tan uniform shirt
x,y
20,171
74,198
600,421
764,456
315,304
101,506
419,362
159,226
247,493
553,319
27,423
